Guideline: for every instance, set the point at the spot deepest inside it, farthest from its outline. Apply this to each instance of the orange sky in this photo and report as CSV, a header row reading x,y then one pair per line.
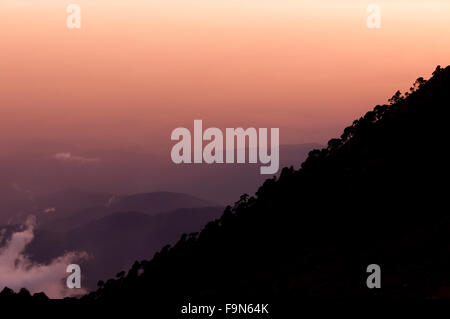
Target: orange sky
x,y
139,68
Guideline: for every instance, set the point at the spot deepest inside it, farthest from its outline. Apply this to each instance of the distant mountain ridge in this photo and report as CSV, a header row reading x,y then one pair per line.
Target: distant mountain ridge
x,y
73,204
157,202
117,239
112,229
27,177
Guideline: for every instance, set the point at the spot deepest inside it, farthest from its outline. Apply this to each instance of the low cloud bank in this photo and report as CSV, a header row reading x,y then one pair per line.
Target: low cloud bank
x,y
18,271
69,157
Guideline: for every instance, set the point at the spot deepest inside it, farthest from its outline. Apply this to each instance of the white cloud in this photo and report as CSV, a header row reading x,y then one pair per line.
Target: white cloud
x,y
18,271
69,157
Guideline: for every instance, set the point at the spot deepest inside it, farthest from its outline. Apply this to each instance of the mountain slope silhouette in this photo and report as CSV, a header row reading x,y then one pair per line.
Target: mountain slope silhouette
x,y
376,195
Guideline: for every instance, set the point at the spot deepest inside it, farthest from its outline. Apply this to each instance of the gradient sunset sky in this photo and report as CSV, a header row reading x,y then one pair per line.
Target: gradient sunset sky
x,y
137,69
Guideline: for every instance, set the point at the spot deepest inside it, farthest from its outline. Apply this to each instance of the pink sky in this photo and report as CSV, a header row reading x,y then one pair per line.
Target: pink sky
x,y
138,69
